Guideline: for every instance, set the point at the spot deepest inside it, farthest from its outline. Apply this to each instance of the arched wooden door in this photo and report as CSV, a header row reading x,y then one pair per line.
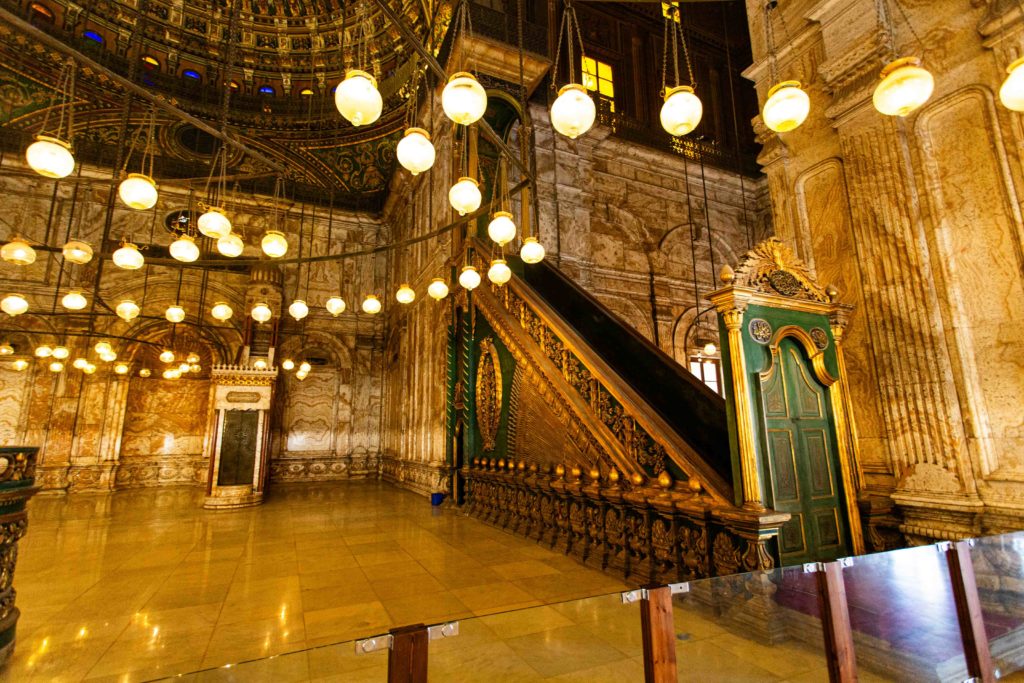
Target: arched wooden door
x,y
802,469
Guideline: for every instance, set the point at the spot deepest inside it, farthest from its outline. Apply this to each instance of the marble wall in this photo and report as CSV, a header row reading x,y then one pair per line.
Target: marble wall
x,y
917,222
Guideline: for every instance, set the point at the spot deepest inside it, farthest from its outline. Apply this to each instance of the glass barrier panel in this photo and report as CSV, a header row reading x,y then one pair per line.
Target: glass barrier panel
x,y
325,663
904,617
593,640
761,626
999,570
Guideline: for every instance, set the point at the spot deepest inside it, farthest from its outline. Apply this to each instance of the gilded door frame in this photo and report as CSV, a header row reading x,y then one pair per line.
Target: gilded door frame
x,y
837,402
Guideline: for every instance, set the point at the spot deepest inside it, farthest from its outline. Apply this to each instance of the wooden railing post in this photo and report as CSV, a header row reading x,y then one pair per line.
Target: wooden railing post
x,y
659,635
407,658
968,611
835,622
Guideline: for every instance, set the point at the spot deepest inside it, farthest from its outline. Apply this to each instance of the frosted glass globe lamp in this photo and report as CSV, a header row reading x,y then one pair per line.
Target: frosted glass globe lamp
x,y
6,349
20,364
437,289
463,99
300,375
904,88
77,251
415,151
288,365
682,110
305,367
166,356
221,311
214,223
184,249
19,252
230,245
464,196
335,305
501,229
102,347
1011,93
405,294
710,349
121,368
183,368
786,108
128,257
79,363
499,273
298,309
61,352
127,310
50,157
171,373
89,369
73,300
138,191
56,366
371,305
358,99
260,364
192,358
145,372
573,111
274,244
43,351
469,278
174,314
13,304
108,357
261,312
532,250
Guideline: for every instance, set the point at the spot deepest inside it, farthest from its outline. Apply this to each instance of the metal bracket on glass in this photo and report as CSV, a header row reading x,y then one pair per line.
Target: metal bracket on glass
x,y
375,644
447,630
642,593
944,546
812,567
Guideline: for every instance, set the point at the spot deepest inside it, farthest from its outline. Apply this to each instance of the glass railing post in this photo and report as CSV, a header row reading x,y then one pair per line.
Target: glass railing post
x,y
835,621
407,658
968,610
658,631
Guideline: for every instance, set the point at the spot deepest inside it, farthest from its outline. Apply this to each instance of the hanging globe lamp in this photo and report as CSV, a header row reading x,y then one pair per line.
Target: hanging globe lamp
x,y
464,196
19,252
56,366
1011,93
50,157
469,278
128,257
904,88
230,245
298,309
184,249
145,372
358,99
13,304
274,244
501,229
415,151
74,300
166,356
61,352
463,99
682,111
43,351
335,305
786,108
79,363
288,365
437,289
221,311
304,366
138,191
261,312
6,349
19,364
499,273
371,304
174,314
214,223
532,250
121,368
573,111
405,294
77,251
127,310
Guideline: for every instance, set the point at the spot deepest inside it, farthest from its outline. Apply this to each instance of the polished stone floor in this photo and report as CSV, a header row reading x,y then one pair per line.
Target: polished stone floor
x,y
142,584
145,584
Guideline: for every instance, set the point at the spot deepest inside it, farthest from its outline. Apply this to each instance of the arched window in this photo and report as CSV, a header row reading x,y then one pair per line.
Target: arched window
x,y
40,13
267,90
192,74
94,37
150,63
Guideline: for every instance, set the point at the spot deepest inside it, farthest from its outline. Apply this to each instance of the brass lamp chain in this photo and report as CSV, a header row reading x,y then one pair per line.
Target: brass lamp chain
x,y
570,28
464,28
888,25
769,34
676,36
66,91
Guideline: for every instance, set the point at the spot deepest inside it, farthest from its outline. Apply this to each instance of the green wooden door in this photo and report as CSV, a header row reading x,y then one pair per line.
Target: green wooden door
x,y
802,467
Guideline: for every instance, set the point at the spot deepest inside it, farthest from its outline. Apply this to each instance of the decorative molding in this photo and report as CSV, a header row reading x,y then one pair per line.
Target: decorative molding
x,y
289,469
423,478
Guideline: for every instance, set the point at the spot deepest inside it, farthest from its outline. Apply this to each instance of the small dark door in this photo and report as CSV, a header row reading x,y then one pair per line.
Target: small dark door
x,y
802,462
238,447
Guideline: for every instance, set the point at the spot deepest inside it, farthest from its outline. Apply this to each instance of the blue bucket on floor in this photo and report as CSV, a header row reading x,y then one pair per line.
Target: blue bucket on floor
x,y
436,498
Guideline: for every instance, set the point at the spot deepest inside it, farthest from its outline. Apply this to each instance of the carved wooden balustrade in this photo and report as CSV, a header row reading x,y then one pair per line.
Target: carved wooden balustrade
x,y
17,485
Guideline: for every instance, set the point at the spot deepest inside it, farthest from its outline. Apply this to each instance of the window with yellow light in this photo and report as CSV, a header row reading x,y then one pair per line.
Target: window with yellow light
x,y
598,77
